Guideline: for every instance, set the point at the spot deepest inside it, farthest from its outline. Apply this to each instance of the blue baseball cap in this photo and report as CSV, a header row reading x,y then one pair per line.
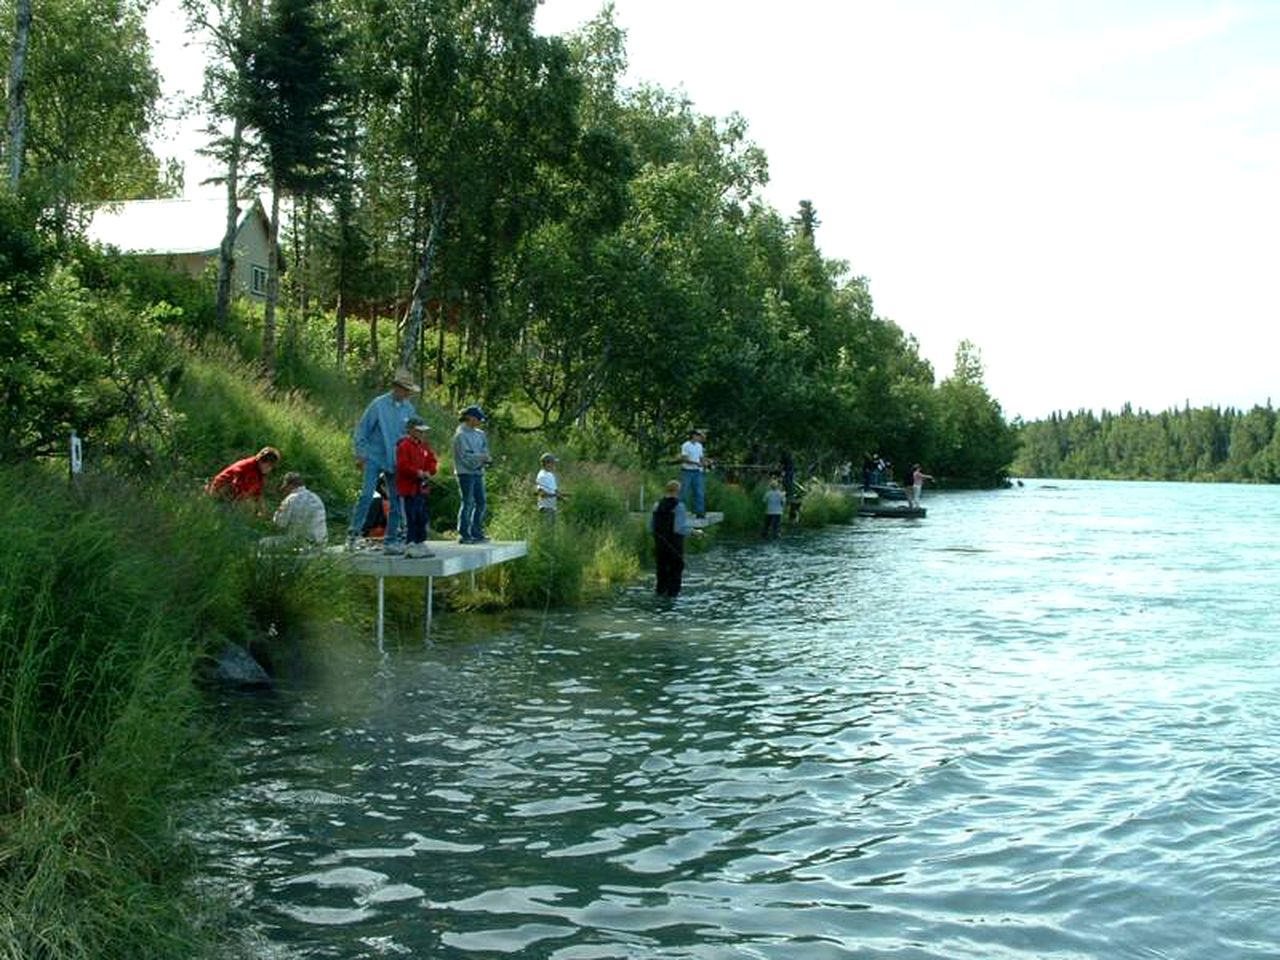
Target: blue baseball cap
x,y
472,411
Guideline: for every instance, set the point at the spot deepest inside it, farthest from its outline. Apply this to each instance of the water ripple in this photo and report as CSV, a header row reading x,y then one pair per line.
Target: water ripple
x,y
1040,725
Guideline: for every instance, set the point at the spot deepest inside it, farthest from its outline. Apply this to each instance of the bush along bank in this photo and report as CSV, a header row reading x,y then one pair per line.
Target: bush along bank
x,y
111,597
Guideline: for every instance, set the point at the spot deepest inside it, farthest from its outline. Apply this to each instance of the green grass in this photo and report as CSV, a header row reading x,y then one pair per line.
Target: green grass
x,y
822,506
110,597
97,656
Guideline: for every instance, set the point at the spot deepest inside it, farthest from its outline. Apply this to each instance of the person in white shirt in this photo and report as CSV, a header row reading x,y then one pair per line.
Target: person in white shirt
x,y
693,477
300,515
548,488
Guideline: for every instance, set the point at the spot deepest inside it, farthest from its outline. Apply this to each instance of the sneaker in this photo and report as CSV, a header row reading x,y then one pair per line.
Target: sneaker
x,y
393,549
479,539
418,551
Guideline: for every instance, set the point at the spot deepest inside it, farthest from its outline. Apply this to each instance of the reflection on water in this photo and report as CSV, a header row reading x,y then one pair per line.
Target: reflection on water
x,y
1041,723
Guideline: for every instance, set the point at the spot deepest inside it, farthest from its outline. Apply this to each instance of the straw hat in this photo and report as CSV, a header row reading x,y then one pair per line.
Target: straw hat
x,y
403,378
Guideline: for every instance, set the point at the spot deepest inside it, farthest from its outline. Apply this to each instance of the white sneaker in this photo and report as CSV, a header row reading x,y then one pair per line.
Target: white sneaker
x,y
393,549
418,551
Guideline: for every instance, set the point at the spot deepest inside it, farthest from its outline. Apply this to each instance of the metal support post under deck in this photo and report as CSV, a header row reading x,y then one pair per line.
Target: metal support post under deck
x,y
446,560
426,615
382,603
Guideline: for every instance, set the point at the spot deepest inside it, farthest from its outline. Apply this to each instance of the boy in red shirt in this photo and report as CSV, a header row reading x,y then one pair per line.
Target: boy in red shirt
x,y
244,479
415,464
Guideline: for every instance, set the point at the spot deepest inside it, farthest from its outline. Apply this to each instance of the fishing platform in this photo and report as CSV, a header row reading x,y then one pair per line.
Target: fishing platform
x,y
711,518
873,504
448,558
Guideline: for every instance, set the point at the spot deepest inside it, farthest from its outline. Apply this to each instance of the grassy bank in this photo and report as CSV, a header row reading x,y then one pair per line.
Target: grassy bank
x,y
116,594
111,597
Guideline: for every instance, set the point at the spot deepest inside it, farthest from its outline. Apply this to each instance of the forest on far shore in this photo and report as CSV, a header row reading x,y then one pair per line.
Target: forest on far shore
x,y
1200,444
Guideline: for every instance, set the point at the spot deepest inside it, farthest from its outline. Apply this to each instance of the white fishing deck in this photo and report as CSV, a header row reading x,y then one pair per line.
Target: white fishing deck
x,y
448,559
697,523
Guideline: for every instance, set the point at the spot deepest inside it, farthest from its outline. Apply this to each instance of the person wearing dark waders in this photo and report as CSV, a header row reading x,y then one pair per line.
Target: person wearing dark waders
x,y
669,524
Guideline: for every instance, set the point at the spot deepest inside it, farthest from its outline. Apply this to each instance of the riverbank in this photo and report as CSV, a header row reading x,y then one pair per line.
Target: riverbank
x,y
115,597
118,593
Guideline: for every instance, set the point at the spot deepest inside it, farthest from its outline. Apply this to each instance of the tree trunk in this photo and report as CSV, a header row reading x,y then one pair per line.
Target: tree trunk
x,y
273,287
417,305
340,333
441,319
17,106
299,231
304,268
227,250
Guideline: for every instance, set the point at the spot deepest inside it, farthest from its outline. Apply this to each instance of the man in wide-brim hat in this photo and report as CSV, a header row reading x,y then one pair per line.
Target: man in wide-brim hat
x,y
376,435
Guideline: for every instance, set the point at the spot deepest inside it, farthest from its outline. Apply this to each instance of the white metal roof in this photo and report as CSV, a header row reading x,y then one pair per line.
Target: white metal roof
x,y
164,226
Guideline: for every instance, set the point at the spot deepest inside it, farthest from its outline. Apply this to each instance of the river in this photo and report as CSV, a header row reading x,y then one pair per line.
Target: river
x,y
1041,723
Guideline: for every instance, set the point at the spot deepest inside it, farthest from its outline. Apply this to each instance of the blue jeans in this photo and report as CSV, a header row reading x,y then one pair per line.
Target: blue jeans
x,y
471,513
361,510
695,480
416,517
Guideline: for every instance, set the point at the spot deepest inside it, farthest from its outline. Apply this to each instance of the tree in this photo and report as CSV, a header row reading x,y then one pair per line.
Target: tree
x,y
293,96
975,442
88,103
225,24
17,91
806,220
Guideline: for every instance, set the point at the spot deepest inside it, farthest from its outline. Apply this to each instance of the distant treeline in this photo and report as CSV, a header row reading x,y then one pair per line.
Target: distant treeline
x,y
1206,443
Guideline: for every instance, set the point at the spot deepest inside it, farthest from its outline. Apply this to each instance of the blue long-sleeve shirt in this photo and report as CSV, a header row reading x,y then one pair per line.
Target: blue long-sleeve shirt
x,y
381,427
470,450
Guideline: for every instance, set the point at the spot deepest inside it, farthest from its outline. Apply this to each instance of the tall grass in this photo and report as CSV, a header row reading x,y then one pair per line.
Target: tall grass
x,y
742,506
822,506
96,705
110,597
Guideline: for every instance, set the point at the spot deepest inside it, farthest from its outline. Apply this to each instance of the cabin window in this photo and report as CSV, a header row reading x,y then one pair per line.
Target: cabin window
x,y
259,282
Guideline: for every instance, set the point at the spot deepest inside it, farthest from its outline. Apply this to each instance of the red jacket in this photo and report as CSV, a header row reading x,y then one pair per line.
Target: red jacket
x,y
243,480
412,458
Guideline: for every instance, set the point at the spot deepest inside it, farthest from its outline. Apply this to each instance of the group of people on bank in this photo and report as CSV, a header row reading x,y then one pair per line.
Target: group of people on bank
x,y
398,464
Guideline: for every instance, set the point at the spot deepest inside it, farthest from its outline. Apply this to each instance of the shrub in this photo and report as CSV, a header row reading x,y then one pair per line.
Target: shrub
x,y
597,496
822,506
552,573
742,507
615,560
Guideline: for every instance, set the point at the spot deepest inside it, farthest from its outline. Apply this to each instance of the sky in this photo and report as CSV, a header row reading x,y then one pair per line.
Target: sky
x,y
1088,190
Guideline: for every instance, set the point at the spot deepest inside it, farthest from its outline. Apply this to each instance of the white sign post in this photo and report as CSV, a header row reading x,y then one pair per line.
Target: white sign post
x,y
77,457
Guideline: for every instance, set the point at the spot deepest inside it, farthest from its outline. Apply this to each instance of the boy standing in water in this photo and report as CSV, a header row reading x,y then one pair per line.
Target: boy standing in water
x,y
669,524
774,501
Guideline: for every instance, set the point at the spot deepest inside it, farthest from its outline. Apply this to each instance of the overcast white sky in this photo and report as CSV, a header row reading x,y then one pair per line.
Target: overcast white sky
x,y
1087,189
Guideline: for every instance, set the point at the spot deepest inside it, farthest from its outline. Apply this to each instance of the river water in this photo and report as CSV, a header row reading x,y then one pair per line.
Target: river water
x,y
1041,723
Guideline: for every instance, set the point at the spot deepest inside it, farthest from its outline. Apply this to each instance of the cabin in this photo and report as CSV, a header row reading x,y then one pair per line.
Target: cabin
x,y
186,234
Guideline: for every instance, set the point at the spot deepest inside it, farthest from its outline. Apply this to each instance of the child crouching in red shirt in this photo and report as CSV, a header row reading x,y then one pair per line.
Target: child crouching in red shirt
x,y
415,464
